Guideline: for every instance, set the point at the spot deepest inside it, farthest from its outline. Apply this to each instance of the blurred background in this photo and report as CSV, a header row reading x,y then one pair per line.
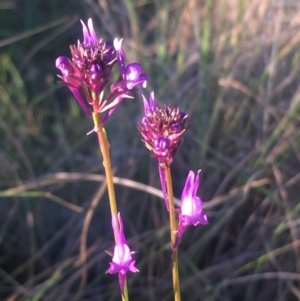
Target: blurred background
x,y
233,66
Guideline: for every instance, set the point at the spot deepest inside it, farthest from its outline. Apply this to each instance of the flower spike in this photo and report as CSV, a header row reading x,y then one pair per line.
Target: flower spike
x,y
162,129
88,72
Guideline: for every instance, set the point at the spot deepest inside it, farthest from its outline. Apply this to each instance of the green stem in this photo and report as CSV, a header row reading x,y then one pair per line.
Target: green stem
x,y
173,225
104,148
125,297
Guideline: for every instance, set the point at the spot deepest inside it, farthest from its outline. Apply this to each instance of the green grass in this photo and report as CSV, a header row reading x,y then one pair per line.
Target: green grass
x,y
233,66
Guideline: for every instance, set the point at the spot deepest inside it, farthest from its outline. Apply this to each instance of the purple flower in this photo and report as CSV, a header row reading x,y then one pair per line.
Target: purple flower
x,y
88,71
162,130
131,75
190,212
122,261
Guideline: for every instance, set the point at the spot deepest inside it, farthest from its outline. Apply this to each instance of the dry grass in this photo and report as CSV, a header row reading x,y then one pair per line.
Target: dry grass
x,y
234,67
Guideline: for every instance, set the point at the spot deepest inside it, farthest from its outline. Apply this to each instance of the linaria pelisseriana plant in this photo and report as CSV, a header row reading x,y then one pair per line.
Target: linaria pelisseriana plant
x,y
88,75
162,130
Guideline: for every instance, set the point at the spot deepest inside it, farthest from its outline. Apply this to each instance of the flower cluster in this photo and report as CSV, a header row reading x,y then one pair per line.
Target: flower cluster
x,y
162,130
88,72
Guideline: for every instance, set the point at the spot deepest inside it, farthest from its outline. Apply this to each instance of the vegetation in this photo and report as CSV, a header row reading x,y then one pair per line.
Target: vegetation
x,y
233,66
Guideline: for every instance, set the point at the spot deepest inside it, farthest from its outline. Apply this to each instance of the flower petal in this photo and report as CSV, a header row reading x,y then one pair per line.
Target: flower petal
x,y
118,47
86,35
64,65
93,35
188,187
81,101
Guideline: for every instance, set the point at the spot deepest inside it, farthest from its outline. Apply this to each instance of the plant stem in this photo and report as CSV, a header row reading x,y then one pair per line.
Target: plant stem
x,y
125,297
104,147
175,273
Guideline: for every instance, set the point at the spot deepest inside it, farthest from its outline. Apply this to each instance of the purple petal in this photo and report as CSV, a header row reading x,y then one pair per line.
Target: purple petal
x,y
114,268
195,219
133,71
134,76
118,47
146,105
89,35
196,183
110,111
86,35
153,104
143,78
81,101
122,255
144,84
64,65
189,186
122,278
119,234
93,36
118,44
132,267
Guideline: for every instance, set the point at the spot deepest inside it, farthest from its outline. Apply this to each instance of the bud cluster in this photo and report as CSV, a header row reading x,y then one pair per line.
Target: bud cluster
x,y
162,130
88,72
94,63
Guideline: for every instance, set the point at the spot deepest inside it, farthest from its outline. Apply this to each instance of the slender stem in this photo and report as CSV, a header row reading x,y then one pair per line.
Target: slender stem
x,y
104,147
125,297
175,273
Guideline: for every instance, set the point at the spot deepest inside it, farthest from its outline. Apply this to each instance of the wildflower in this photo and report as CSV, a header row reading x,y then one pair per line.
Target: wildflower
x,y
122,261
130,76
190,212
162,130
88,72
